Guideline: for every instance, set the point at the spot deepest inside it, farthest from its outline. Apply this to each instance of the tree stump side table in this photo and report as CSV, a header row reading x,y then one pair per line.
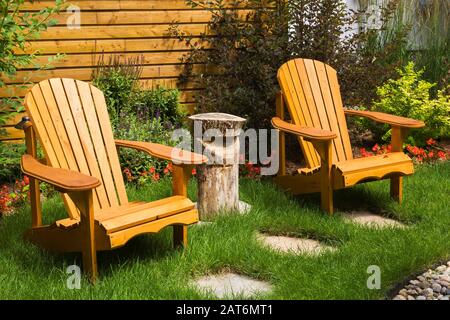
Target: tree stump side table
x,y
217,134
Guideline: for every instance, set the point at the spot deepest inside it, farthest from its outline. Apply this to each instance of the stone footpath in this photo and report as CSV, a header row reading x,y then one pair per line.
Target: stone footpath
x,y
431,285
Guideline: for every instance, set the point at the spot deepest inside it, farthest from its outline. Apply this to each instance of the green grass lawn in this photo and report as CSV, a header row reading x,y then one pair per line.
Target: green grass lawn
x,y
148,267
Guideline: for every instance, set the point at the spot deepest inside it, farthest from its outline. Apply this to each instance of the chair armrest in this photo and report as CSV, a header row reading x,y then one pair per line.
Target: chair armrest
x,y
178,156
64,180
307,133
386,118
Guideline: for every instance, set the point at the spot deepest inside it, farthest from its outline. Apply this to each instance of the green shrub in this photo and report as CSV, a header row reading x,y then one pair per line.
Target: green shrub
x,y
410,96
160,103
118,80
134,129
10,161
137,114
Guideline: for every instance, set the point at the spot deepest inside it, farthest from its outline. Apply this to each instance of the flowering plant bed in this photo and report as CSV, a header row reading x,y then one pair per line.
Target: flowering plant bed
x,y
432,152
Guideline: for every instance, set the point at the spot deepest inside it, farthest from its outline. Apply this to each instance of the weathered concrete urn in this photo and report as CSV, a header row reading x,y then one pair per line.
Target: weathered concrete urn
x,y
217,137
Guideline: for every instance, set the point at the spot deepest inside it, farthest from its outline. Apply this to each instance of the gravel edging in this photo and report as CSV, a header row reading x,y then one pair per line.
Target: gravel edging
x,y
434,284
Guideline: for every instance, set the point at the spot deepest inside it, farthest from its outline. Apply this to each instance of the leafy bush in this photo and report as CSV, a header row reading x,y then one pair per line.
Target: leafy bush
x,y
240,69
242,59
160,103
134,129
410,96
137,114
10,161
15,195
119,82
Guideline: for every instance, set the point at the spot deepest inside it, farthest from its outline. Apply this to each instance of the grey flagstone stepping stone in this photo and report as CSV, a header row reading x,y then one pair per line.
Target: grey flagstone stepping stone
x,y
370,219
294,245
229,285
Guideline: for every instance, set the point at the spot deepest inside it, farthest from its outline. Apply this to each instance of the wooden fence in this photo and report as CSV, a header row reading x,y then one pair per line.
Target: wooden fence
x,y
124,27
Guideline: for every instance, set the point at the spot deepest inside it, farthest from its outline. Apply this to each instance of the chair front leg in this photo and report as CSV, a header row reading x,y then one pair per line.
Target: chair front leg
x,y
35,192
180,179
326,179
84,202
398,136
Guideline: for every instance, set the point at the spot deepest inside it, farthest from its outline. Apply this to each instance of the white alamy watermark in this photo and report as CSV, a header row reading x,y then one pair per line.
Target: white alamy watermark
x,y
374,17
230,146
74,280
374,280
74,17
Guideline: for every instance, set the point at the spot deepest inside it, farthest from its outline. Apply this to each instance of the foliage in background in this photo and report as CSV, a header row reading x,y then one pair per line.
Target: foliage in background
x,y
14,196
16,28
410,96
118,80
160,103
10,160
238,74
428,40
372,54
136,113
241,61
249,170
135,129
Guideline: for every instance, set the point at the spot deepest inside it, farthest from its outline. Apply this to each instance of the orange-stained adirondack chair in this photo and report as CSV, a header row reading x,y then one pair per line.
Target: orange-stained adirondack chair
x,y
70,119
310,91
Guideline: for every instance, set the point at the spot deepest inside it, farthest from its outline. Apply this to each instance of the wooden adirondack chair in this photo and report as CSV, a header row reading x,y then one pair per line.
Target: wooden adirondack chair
x,y
311,93
70,119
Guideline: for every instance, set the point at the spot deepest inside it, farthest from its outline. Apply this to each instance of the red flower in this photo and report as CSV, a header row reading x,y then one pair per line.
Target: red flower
x,y
156,177
256,170
376,147
152,170
26,180
431,142
128,174
365,153
442,155
166,171
194,172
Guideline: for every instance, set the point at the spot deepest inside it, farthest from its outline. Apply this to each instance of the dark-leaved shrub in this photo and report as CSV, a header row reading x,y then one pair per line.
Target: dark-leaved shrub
x,y
240,62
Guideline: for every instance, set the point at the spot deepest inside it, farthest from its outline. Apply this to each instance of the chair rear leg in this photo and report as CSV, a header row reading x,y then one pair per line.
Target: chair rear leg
x,y
397,189
180,238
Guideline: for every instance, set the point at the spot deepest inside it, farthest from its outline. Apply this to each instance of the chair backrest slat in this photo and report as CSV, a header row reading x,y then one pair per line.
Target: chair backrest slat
x,y
312,95
72,123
